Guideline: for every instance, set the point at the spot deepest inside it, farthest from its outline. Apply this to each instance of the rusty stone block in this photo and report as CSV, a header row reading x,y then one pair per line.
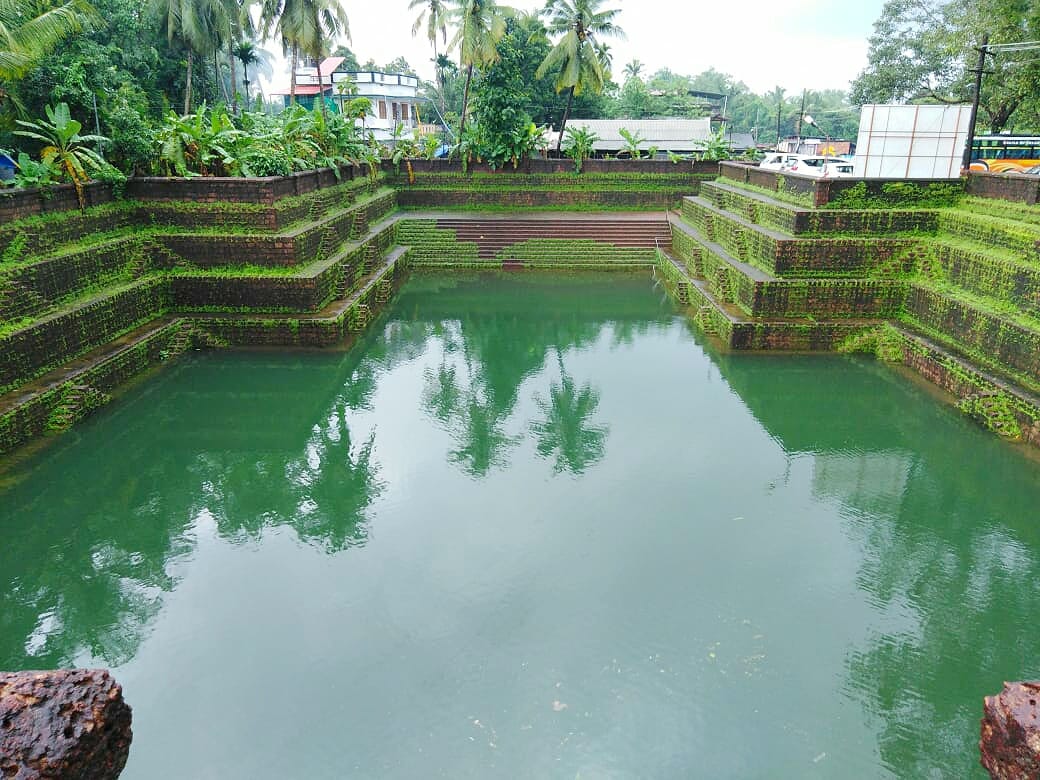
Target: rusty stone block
x,y
1010,743
62,724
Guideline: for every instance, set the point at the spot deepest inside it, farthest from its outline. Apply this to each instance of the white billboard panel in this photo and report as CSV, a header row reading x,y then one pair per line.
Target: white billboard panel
x,y
911,142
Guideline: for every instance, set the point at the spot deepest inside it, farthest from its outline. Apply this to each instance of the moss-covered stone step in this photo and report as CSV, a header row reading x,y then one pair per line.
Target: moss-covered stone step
x,y
303,244
40,235
53,340
507,178
1019,238
786,256
330,326
553,198
22,241
734,330
759,294
997,275
1016,212
429,244
308,289
63,396
494,234
59,277
1003,407
1005,342
787,218
546,241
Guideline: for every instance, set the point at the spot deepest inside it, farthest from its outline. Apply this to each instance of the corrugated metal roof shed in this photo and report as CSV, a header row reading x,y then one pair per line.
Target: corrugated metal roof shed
x,y
662,133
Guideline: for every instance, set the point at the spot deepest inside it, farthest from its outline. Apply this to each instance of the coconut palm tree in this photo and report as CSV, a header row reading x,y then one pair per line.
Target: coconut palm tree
x,y
272,14
480,25
435,14
240,27
606,58
575,58
28,33
633,70
319,22
304,26
195,24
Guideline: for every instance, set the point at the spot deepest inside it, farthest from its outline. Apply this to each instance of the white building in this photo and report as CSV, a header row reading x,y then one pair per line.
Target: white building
x,y
394,96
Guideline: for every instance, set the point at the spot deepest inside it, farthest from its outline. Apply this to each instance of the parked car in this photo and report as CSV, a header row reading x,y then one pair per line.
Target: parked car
x,y
774,161
819,166
839,170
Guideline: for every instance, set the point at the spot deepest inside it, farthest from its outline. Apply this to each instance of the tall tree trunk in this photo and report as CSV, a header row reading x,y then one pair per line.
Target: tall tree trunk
x,y
187,85
321,97
234,82
465,101
439,74
292,78
220,79
245,83
566,114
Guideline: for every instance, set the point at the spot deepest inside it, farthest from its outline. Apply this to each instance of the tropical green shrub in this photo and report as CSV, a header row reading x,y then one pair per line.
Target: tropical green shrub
x,y
578,145
31,173
63,147
632,142
717,147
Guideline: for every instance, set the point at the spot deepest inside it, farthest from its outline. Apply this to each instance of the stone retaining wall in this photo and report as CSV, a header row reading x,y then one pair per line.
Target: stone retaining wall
x,y
1005,186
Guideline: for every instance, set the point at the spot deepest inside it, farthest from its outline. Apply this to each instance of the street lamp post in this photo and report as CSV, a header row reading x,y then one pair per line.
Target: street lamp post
x,y
978,71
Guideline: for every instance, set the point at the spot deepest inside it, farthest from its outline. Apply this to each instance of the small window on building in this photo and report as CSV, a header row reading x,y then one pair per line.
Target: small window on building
x,y
397,110
382,109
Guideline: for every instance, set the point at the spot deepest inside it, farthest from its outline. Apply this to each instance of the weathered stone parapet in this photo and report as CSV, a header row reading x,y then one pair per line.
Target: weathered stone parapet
x,y
62,724
1010,743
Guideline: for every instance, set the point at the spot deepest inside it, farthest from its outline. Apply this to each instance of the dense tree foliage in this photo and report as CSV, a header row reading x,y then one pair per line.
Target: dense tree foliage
x,y
144,78
504,128
578,62
924,50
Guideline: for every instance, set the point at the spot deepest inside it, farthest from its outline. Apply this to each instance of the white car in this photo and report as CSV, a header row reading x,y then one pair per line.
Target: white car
x,y
819,166
840,170
775,161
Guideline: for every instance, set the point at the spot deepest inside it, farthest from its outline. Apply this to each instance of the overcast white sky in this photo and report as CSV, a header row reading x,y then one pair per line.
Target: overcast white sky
x,y
814,44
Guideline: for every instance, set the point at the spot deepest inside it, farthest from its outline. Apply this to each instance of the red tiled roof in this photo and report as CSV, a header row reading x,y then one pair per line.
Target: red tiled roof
x,y
329,64
305,89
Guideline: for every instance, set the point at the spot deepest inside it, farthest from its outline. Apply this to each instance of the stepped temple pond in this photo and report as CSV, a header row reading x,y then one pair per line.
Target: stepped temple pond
x,y
530,521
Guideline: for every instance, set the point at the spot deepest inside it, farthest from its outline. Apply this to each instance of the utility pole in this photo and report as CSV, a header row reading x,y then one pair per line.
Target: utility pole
x,y
779,105
978,71
800,115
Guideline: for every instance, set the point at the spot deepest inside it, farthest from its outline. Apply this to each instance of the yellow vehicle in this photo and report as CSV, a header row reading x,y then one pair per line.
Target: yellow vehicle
x,y
1005,153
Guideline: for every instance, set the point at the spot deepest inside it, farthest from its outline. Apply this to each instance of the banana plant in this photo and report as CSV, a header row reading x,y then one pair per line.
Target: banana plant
x,y
405,150
64,149
632,142
204,143
31,173
717,147
429,147
468,146
579,145
525,141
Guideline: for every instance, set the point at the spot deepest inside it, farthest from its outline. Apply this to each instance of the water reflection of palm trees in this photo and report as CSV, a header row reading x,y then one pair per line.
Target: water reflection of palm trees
x,y
565,434
475,389
91,571
334,484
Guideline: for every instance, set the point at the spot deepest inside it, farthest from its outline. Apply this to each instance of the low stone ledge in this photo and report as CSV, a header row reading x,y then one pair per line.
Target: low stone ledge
x,y
63,724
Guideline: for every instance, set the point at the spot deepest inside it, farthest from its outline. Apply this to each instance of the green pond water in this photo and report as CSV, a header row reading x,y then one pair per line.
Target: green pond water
x,y
530,526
